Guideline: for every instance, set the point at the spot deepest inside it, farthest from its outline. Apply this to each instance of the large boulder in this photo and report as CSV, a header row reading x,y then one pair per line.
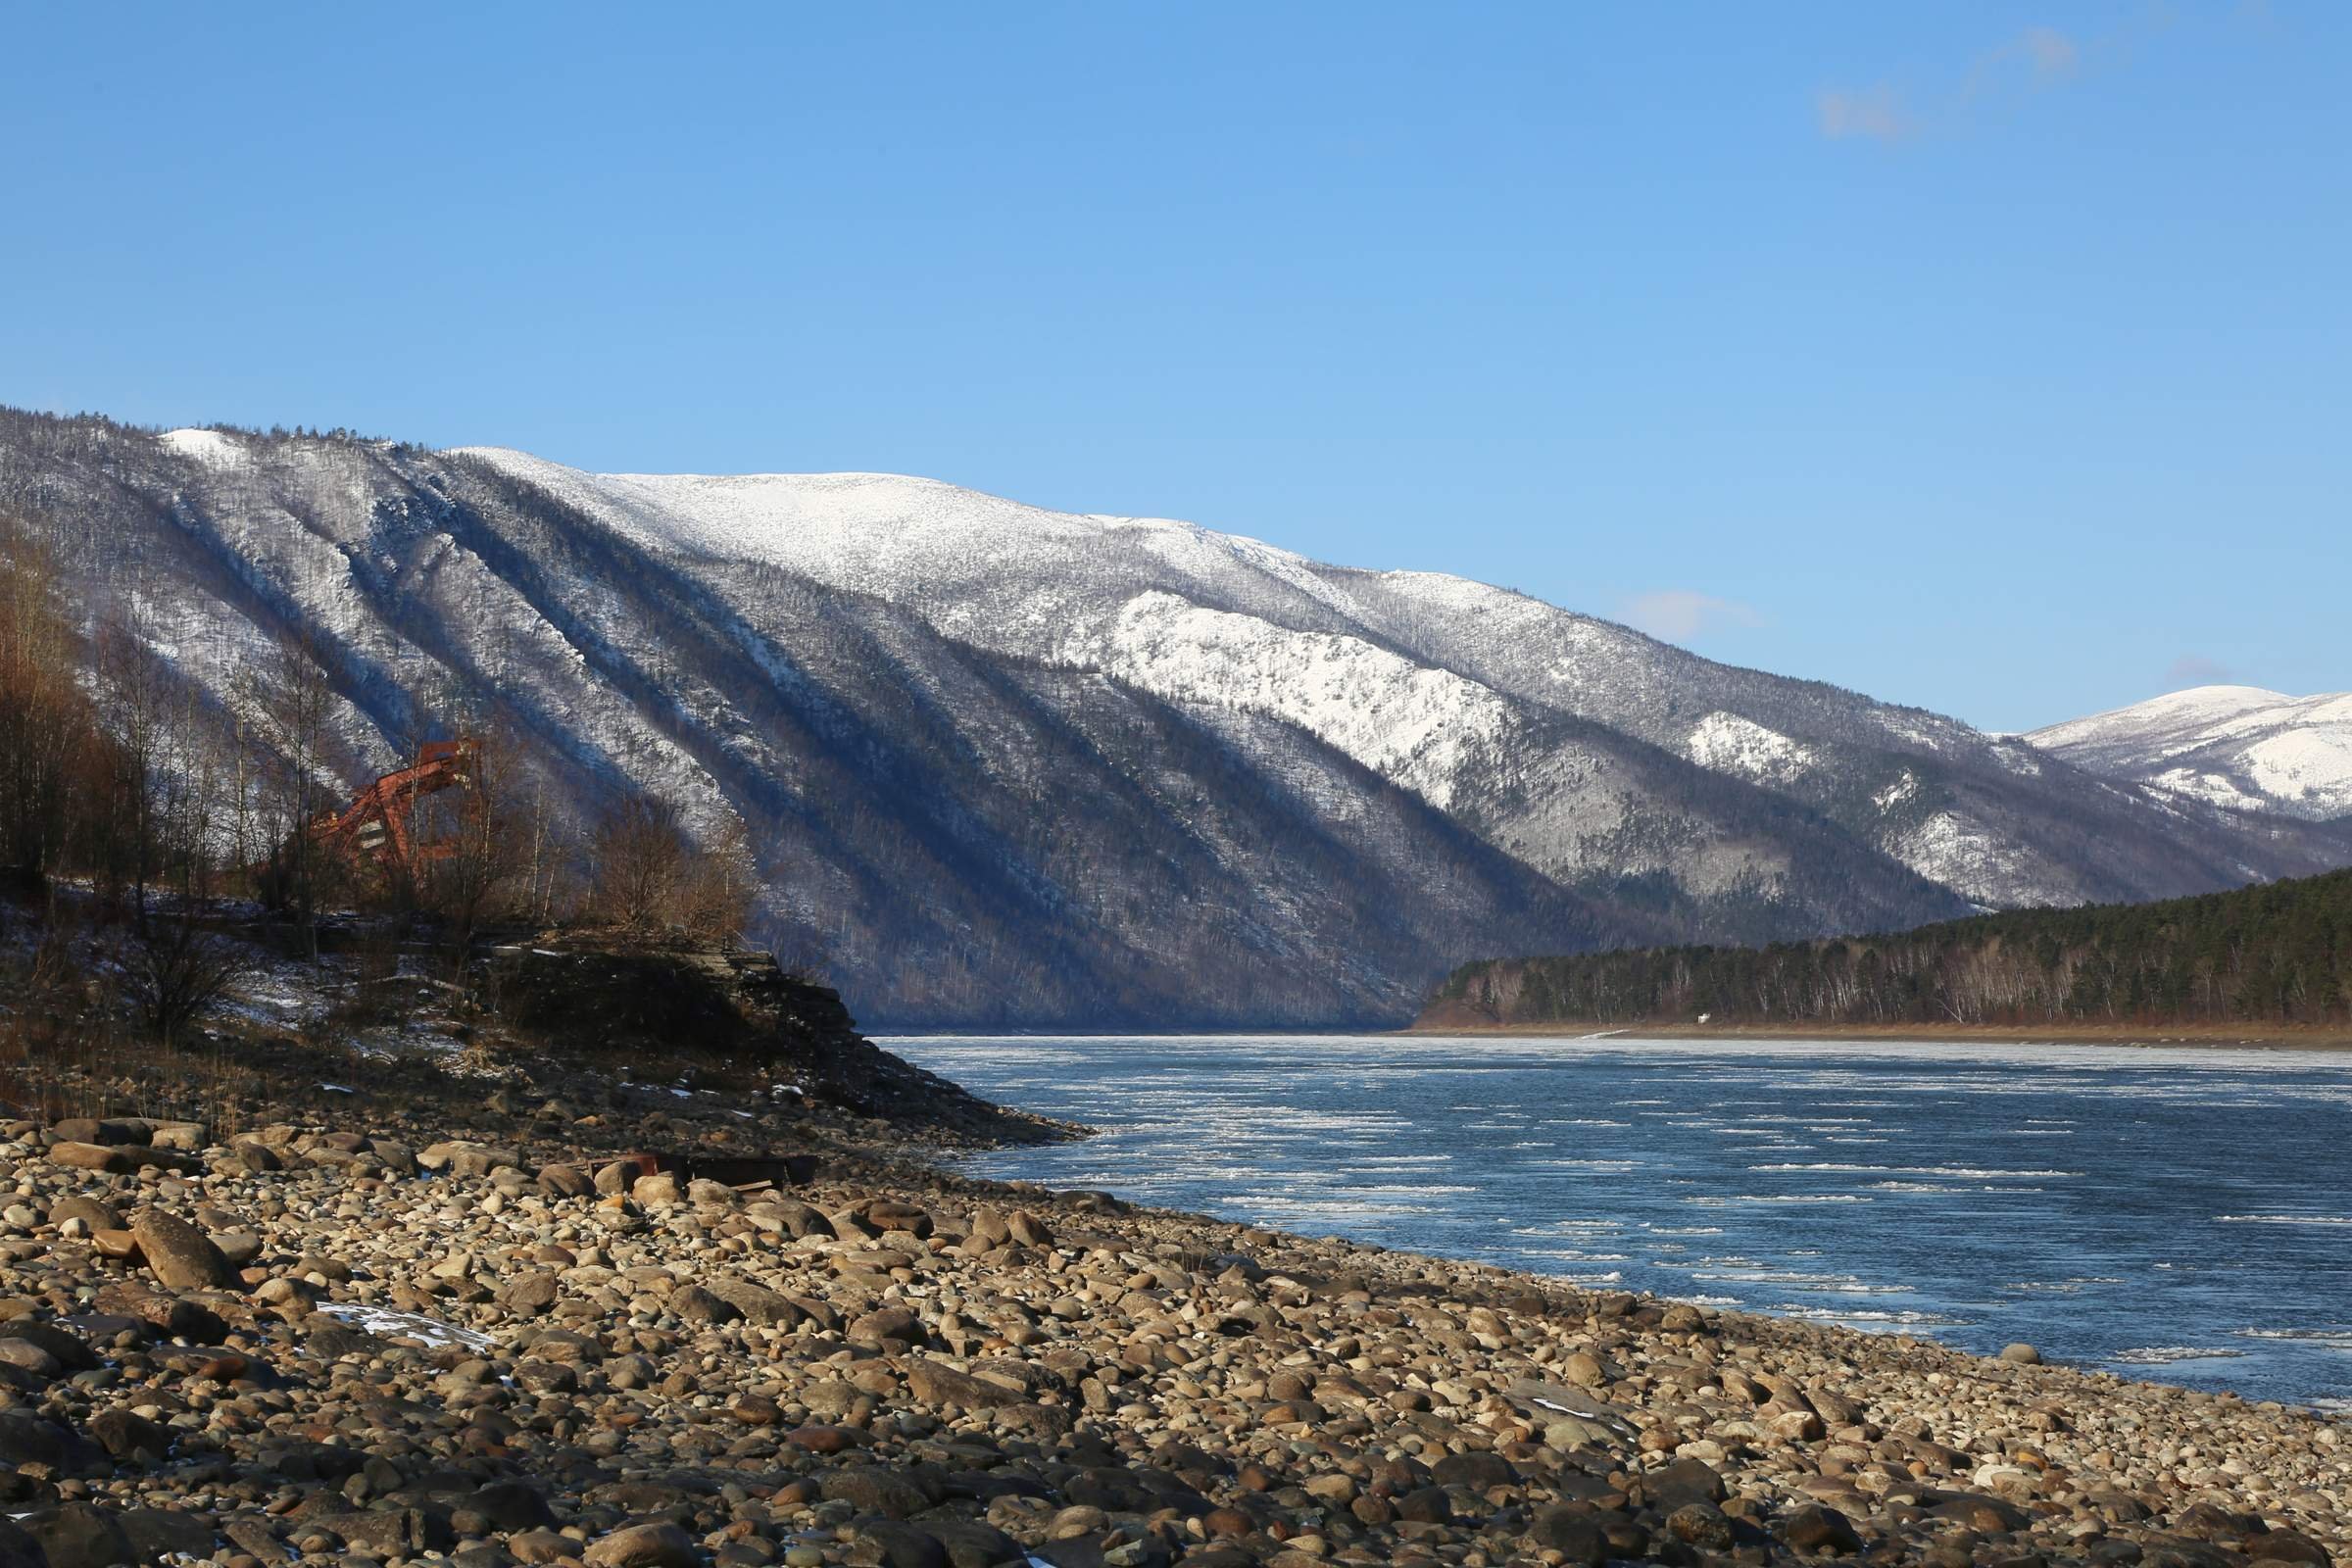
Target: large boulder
x,y
70,1350
103,1130
757,1303
875,1488
167,1535
27,1439
126,1435
1684,1482
938,1384
107,1158
1817,1530
179,1255
646,1545
96,1214
81,1535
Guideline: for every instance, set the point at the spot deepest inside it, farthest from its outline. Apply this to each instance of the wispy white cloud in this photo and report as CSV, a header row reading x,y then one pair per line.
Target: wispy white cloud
x,y
1677,614
2196,669
1877,113
2052,52
2037,57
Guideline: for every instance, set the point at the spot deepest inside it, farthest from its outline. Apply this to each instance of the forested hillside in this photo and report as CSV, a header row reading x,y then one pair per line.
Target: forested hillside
x,y
991,765
2275,954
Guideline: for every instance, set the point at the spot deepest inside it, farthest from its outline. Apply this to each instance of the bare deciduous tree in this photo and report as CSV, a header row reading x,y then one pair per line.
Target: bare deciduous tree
x,y
290,702
646,874
480,838
46,731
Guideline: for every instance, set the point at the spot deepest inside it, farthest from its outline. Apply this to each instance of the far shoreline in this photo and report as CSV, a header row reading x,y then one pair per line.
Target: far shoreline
x,y
2237,1037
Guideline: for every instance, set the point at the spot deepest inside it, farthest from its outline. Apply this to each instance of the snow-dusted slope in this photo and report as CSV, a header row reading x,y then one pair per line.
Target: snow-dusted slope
x,y
1412,673
1405,722
981,567
2233,746
1008,765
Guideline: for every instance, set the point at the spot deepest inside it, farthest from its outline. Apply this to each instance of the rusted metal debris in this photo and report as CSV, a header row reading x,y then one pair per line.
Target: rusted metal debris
x,y
375,828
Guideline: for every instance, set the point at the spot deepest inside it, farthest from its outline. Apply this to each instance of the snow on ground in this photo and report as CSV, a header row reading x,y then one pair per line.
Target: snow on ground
x,y
385,1323
1397,718
281,993
2310,766
1959,852
890,534
2211,788
211,448
2017,756
1725,743
2174,714
2234,746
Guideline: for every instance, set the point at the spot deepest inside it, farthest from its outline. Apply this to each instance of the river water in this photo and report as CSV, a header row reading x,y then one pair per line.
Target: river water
x,y
2181,1214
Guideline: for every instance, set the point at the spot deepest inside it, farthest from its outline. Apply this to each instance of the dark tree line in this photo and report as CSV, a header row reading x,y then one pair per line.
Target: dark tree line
x,y
2279,952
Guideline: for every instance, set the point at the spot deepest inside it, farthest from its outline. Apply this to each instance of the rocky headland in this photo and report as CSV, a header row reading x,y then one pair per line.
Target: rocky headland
x,y
551,1318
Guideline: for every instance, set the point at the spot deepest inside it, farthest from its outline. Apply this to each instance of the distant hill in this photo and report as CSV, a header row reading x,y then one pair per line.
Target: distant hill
x,y
2278,953
2235,746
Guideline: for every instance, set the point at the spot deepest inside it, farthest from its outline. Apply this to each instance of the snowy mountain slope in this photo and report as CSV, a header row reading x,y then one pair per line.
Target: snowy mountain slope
x,y
1988,816
988,571
2230,746
1009,766
1403,721
1405,670
1103,594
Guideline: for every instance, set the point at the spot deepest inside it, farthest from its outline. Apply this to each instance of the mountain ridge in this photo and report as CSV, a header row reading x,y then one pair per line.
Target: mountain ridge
x,y
1308,789
2244,747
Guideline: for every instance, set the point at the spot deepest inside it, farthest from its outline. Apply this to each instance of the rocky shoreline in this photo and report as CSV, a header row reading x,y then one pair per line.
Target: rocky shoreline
x,y
389,1326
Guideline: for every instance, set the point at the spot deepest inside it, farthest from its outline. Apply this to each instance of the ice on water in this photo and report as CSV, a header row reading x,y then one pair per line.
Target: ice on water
x,y
1878,1186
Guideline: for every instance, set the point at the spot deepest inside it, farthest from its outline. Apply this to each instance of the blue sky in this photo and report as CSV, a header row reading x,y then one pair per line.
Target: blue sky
x,y
1991,358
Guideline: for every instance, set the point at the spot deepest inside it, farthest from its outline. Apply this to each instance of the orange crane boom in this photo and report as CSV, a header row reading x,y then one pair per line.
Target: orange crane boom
x,y
374,827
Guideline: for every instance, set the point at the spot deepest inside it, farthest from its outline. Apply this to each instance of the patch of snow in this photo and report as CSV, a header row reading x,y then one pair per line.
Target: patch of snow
x,y
913,541
2212,788
2017,756
385,1323
2304,766
211,448
1402,721
1725,743
1964,856
1905,786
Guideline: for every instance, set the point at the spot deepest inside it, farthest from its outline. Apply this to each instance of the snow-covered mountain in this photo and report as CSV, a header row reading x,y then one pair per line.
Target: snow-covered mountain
x,y
1010,765
2233,746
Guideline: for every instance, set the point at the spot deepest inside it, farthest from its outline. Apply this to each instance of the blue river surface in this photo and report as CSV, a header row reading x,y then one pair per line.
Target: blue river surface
x,y
2175,1214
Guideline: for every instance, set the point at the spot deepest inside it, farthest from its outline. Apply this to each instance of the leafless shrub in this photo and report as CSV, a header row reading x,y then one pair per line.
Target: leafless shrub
x,y
647,876
175,969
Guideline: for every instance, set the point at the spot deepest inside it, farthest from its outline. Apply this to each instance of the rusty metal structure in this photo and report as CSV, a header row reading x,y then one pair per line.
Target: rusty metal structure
x,y
377,828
